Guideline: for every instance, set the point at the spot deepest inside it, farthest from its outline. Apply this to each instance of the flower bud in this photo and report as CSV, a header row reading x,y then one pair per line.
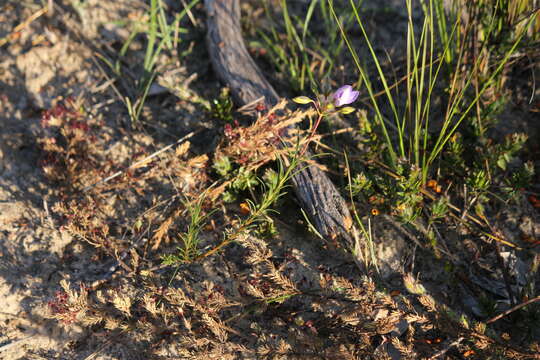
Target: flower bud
x,y
347,110
302,100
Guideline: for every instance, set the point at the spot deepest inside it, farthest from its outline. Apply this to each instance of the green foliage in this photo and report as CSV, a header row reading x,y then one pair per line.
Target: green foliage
x,y
161,34
223,166
244,179
258,218
271,178
487,117
222,107
189,250
240,178
413,141
361,184
305,49
439,209
479,181
519,179
507,151
402,146
266,229
407,193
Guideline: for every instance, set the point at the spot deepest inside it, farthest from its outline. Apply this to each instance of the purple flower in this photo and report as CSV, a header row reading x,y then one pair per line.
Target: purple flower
x,y
345,95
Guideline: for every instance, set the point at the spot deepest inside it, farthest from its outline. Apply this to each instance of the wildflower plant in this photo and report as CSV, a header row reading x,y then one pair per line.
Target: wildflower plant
x,y
326,106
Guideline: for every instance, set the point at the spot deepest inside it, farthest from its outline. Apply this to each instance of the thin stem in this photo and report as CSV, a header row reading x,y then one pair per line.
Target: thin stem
x,y
509,311
312,134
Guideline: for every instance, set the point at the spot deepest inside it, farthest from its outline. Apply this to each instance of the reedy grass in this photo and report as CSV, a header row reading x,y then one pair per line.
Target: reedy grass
x,y
298,52
161,35
368,252
423,58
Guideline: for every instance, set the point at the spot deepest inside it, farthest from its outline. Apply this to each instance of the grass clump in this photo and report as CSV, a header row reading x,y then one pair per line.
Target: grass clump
x,y
162,34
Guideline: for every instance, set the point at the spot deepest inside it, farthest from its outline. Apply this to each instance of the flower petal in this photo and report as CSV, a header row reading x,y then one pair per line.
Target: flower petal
x,y
354,96
345,95
339,92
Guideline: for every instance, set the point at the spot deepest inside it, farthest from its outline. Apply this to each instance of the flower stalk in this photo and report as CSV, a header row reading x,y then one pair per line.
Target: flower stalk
x,y
345,95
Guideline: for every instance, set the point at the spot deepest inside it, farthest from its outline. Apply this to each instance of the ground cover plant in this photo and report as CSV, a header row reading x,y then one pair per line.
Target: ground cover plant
x,y
144,214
